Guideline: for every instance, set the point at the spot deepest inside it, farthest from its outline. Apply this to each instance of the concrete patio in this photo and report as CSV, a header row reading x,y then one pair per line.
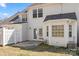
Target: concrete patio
x,y
27,44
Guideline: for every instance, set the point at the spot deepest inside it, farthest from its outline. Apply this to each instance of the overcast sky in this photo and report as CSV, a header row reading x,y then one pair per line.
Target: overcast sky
x,y
9,9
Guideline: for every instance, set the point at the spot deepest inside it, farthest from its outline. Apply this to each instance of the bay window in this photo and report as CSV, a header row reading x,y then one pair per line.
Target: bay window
x,y
58,31
70,30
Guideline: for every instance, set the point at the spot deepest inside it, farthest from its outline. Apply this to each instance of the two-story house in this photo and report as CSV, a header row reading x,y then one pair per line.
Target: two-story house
x,y
54,23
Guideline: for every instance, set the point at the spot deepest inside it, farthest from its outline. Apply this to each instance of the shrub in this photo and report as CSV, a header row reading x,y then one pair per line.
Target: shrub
x,y
77,52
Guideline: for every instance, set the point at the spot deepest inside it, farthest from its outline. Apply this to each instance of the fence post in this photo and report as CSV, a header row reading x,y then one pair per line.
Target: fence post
x,y
3,41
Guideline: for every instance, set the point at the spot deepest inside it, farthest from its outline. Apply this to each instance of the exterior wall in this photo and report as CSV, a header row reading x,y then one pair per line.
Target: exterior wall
x,y
20,17
59,41
1,36
49,9
73,7
38,22
24,31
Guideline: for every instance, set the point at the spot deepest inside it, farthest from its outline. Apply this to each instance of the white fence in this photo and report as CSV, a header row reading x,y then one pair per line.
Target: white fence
x,y
1,36
13,34
8,36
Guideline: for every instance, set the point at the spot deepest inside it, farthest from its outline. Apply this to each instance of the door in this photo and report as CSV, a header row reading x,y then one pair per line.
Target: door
x,y
35,33
40,33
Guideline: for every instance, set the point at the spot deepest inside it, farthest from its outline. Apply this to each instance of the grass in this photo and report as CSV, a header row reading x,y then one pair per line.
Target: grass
x,y
41,50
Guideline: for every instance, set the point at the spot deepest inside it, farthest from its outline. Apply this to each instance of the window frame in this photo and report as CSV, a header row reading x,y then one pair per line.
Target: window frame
x,y
24,19
70,30
35,13
40,12
57,30
47,31
40,32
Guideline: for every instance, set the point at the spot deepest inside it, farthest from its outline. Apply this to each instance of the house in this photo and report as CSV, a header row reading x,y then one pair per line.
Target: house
x,y
54,23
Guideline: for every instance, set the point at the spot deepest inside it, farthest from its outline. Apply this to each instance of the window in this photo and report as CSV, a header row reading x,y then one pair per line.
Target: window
x,y
47,32
24,19
70,30
35,35
40,13
40,32
35,13
58,30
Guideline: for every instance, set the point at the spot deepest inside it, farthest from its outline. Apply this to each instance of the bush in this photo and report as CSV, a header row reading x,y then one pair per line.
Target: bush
x,y
77,52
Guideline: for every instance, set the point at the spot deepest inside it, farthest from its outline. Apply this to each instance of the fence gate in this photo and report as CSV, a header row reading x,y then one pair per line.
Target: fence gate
x,y
9,36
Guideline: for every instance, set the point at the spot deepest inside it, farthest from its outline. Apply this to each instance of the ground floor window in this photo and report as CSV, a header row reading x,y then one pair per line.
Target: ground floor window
x,y
47,34
58,30
70,30
40,32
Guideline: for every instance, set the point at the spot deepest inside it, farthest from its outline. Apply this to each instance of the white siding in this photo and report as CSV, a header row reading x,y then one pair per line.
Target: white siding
x,y
59,41
38,22
24,31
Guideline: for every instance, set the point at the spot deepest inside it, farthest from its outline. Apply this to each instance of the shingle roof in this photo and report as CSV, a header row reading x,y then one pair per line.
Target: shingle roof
x,y
14,18
61,16
19,22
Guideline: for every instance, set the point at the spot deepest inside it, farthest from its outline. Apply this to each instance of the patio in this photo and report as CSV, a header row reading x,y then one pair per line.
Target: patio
x,y
27,44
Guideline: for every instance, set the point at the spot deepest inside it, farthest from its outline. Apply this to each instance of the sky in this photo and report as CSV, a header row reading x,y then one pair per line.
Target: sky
x,y
9,9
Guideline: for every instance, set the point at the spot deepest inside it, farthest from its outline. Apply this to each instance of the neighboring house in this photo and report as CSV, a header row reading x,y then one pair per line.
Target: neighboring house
x,y
54,23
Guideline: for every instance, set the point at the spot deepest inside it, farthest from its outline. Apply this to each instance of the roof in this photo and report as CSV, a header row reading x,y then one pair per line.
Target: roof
x,y
15,18
34,4
10,18
61,16
19,22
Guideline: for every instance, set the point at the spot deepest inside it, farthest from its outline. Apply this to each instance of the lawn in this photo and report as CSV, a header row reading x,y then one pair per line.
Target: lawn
x,y
41,50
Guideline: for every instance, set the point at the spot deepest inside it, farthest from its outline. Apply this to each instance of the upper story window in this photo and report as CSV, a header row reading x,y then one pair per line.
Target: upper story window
x,y
35,13
40,12
24,19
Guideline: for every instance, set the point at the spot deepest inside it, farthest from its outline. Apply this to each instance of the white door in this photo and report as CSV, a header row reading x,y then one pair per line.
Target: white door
x,y
40,34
